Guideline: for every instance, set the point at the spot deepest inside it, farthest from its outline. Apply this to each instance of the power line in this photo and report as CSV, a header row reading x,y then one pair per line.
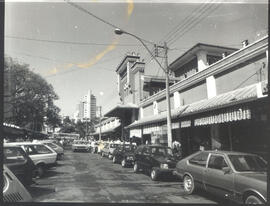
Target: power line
x,y
190,26
100,19
178,27
187,21
73,70
67,42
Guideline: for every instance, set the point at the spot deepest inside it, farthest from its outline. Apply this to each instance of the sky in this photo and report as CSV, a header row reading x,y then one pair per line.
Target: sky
x,y
76,52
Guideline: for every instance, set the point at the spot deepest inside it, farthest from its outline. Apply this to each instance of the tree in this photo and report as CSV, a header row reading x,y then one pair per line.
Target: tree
x,y
28,97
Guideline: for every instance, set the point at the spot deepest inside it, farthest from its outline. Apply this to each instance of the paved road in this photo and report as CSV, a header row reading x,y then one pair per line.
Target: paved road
x,y
85,177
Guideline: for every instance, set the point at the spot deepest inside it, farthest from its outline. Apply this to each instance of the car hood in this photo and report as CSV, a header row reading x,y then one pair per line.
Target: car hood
x,y
260,176
80,145
129,153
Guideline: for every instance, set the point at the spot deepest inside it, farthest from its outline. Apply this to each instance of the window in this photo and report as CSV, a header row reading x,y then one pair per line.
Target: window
x,y
146,151
14,155
217,162
37,149
200,159
243,163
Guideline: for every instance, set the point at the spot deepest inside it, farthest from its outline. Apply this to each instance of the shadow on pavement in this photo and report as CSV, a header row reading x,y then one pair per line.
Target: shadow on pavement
x,y
40,190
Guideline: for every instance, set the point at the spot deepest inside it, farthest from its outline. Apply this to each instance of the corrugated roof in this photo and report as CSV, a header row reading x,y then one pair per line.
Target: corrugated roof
x,y
238,96
230,98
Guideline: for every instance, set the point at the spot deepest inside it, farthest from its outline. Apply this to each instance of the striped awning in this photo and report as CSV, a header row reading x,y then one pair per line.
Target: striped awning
x,y
157,118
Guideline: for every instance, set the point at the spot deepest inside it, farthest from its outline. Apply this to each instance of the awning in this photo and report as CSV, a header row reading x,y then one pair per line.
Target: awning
x,y
119,109
110,130
231,98
157,118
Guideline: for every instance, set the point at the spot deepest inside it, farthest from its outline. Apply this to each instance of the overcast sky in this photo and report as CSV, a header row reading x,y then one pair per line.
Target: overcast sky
x,y
73,69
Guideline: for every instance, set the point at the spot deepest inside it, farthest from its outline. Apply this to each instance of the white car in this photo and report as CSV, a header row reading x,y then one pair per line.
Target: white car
x,y
80,145
13,190
59,150
42,155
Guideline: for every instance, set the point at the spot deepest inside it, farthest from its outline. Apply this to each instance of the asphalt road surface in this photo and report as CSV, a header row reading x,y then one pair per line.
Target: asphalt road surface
x,y
85,177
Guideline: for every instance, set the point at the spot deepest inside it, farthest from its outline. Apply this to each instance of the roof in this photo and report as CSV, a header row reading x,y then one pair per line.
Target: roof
x,y
22,143
107,130
228,152
157,118
235,97
223,100
119,109
187,56
124,59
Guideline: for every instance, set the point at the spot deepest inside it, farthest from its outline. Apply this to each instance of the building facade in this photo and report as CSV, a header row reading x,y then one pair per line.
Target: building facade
x,y
87,108
218,98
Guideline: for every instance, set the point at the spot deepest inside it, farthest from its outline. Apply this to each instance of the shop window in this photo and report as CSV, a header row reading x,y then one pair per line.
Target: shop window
x,y
199,159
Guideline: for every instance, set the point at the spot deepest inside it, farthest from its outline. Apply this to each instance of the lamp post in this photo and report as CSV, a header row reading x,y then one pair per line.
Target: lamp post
x,y
166,70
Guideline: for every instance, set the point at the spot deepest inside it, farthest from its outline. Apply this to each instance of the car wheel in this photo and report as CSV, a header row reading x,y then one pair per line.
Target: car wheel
x,y
188,184
252,199
40,170
154,175
123,163
136,167
114,159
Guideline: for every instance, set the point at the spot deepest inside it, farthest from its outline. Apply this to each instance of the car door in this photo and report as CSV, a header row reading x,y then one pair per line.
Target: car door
x,y
196,167
40,153
216,180
16,160
146,158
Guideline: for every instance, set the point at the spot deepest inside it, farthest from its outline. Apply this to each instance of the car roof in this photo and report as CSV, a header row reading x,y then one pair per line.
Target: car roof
x,y
11,146
228,152
22,143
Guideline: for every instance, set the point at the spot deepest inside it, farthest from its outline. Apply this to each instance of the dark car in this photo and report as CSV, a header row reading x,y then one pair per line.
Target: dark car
x,y
124,154
240,177
16,159
156,159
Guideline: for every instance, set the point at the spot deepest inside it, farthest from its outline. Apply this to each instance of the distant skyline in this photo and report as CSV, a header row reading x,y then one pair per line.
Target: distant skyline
x,y
75,52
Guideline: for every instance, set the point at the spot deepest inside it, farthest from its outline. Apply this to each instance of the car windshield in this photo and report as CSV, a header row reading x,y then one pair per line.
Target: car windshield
x,y
51,145
129,147
245,163
162,151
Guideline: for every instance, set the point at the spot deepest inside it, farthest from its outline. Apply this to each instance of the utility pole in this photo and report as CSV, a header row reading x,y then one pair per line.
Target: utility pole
x,y
166,71
169,123
99,122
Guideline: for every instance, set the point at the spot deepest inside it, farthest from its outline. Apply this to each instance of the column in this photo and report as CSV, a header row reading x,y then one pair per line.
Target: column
x,y
211,87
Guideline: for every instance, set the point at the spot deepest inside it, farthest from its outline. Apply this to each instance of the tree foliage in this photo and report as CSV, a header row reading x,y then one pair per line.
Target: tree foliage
x,y
28,97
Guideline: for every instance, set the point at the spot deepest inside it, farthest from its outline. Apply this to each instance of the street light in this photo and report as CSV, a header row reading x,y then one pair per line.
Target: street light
x,y
166,70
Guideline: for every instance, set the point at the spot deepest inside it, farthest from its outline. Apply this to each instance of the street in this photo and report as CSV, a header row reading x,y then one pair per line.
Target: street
x,y
85,177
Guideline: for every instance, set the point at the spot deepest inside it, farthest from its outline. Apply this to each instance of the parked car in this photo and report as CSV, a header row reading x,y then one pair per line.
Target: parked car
x,y
80,145
13,190
240,177
58,149
124,154
42,155
156,159
16,159
108,149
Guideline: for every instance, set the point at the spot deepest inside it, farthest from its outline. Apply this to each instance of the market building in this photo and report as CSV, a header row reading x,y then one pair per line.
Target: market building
x,y
218,99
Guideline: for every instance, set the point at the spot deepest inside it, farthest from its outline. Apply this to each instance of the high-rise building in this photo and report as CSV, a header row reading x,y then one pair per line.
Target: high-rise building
x,y
86,109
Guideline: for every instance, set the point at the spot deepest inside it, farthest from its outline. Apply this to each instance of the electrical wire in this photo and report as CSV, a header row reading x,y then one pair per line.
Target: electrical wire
x,y
189,27
100,19
67,42
175,29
